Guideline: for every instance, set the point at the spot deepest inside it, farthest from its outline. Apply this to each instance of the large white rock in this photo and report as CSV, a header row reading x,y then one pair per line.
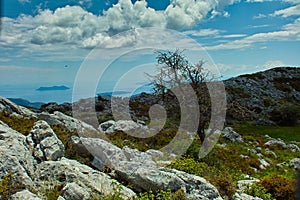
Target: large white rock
x,y
15,155
24,195
139,170
71,171
74,125
44,143
122,125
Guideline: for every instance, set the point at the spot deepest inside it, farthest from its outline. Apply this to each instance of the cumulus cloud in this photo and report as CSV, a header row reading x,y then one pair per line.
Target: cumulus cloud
x,y
74,26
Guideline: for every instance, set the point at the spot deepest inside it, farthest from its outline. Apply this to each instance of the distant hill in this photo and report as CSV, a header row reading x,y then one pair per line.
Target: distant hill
x,y
62,87
262,92
25,103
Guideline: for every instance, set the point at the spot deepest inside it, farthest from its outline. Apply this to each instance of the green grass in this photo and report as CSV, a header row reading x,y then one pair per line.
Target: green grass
x,y
291,133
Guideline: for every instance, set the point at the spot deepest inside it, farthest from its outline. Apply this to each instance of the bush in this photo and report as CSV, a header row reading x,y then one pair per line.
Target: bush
x,y
163,195
224,183
257,190
189,165
286,115
281,188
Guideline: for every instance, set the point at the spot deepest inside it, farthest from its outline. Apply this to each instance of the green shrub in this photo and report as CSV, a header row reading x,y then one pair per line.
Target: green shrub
x,y
189,165
163,195
224,183
286,115
280,187
257,190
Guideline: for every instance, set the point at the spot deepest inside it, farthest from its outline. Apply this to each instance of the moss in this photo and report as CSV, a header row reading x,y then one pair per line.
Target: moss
x,y
18,123
53,193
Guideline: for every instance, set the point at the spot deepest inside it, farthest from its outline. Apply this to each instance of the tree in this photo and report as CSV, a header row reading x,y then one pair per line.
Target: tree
x,y
175,71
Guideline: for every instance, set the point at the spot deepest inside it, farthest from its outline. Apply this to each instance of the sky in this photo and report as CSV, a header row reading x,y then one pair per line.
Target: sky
x,y
44,43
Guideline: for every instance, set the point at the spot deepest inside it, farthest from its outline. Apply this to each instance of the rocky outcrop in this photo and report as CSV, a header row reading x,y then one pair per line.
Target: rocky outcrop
x,y
44,143
230,135
122,125
261,92
71,124
8,106
15,156
70,171
140,171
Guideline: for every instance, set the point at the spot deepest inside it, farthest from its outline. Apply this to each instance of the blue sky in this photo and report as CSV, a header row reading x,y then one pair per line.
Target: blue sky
x,y
39,38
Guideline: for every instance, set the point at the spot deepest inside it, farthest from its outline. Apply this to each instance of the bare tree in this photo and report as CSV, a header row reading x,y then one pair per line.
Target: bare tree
x,y
175,71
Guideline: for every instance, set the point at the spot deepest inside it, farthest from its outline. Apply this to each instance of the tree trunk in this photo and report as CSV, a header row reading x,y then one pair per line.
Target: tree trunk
x,y
201,133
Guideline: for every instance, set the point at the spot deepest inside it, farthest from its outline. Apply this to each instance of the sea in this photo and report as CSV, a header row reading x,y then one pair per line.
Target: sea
x,y
59,96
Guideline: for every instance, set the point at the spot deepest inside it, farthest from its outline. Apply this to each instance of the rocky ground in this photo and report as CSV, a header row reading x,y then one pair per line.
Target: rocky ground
x,y
37,164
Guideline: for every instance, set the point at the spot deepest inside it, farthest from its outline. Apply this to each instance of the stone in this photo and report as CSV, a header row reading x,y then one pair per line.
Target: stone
x,y
15,155
71,171
103,127
44,142
74,192
139,170
295,163
263,164
73,125
243,196
230,135
79,147
293,147
24,195
275,143
122,125
8,106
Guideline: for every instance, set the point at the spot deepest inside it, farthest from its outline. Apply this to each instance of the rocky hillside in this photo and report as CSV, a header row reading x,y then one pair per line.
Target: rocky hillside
x,y
42,157
263,92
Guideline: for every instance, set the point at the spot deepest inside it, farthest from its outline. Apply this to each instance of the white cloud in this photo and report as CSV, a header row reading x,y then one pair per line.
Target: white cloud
x,y
69,28
203,32
234,36
290,11
259,16
289,32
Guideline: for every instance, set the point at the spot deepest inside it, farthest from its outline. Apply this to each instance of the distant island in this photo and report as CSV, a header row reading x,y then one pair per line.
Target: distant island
x,y
24,102
62,87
